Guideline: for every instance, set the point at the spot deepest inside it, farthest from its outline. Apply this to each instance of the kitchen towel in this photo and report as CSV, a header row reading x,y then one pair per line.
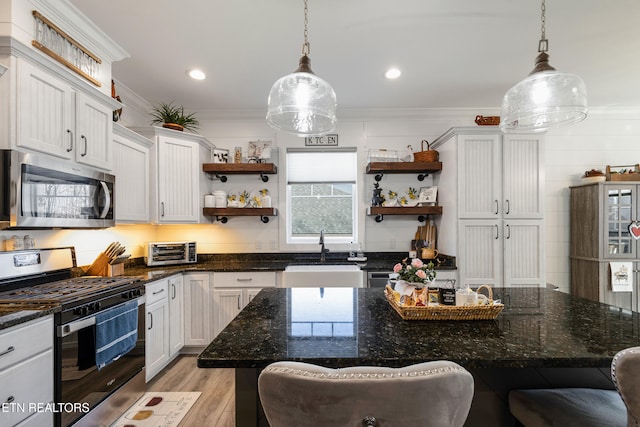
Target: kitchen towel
x,y
116,332
621,276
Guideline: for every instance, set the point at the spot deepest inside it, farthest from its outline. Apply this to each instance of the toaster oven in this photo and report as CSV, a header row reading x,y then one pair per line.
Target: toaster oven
x,y
166,253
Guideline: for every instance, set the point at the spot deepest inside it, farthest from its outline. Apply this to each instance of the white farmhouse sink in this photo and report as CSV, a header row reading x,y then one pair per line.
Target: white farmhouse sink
x,y
322,276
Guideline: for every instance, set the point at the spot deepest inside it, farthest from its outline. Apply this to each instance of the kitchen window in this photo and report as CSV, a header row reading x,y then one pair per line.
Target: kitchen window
x,y
321,195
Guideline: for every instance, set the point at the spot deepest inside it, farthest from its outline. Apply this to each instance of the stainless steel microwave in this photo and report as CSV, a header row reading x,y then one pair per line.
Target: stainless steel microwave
x,y
38,191
166,253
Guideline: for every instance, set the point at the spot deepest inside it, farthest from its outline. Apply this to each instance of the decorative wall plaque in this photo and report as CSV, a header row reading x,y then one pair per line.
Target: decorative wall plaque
x,y
50,39
330,139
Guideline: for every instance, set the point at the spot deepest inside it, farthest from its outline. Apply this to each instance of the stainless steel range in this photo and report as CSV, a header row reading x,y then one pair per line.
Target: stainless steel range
x,y
42,278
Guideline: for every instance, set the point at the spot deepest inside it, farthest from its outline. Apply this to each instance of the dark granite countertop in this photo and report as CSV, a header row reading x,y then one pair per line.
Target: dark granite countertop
x,y
14,314
376,261
11,315
338,327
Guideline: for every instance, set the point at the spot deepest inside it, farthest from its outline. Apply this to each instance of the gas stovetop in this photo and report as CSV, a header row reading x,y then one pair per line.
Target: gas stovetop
x,y
41,279
69,290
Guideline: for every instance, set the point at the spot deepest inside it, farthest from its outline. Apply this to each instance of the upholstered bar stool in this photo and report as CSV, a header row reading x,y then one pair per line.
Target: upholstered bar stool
x,y
585,407
625,372
437,393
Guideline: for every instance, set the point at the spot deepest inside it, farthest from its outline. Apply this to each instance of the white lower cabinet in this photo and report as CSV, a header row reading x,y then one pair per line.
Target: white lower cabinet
x,y
197,309
176,315
163,340
501,253
233,291
26,372
156,328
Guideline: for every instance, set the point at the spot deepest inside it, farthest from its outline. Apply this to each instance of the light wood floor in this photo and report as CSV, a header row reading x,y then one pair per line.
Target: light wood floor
x,y
216,404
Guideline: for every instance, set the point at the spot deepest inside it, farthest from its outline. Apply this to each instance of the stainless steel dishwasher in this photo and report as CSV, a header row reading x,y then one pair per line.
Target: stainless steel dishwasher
x,y
378,279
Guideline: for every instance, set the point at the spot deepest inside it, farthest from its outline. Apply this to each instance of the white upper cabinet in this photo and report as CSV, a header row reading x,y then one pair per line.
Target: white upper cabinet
x,y
56,119
177,175
479,176
131,166
523,176
178,192
45,112
93,132
500,176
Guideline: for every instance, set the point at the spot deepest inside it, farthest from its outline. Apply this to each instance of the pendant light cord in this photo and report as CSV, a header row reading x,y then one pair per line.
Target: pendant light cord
x,y
305,46
543,45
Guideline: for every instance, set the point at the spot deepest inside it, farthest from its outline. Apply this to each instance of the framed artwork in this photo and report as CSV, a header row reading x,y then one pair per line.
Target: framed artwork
x,y
428,195
220,155
259,151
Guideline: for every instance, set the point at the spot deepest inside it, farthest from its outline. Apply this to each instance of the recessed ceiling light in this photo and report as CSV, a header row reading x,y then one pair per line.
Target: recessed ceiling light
x,y
197,74
392,73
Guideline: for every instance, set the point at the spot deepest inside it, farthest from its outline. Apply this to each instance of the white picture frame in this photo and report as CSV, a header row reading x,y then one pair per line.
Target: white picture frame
x,y
428,195
220,155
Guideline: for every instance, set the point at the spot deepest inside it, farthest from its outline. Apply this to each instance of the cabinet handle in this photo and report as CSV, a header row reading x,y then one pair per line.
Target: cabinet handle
x,y
508,234
506,203
239,302
173,288
497,206
84,138
7,351
158,292
150,321
248,279
497,231
161,208
70,140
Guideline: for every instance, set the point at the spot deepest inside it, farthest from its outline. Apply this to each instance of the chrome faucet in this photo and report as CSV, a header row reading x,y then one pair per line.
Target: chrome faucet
x,y
323,251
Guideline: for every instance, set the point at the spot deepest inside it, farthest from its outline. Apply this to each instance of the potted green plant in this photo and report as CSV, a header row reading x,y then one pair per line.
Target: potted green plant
x,y
173,117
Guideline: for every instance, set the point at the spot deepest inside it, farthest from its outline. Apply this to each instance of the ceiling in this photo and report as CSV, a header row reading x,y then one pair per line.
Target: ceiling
x,y
453,54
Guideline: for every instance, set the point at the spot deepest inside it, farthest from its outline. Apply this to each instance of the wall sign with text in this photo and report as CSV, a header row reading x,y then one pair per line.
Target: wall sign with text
x,y
330,139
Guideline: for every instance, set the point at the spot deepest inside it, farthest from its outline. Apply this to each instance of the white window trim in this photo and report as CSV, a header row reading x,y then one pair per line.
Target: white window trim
x,y
311,243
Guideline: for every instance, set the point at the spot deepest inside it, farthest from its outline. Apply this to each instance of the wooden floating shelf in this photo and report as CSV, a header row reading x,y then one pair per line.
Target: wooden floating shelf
x,y
421,211
423,169
240,168
222,214
221,170
403,167
399,210
240,211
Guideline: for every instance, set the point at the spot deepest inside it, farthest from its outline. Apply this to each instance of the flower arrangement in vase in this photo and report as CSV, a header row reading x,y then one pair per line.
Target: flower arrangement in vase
x,y
416,273
243,200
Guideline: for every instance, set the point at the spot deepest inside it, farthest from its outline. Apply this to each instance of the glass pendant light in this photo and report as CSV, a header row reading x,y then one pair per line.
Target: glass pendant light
x,y
544,100
302,103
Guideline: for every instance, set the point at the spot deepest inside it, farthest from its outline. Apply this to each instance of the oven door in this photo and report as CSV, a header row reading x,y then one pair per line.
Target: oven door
x,y
80,386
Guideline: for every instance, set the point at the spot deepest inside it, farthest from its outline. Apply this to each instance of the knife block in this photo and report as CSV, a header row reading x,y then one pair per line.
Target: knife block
x,y
115,270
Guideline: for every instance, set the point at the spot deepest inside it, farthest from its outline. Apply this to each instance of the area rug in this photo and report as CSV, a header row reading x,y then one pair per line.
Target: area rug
x,y
158,409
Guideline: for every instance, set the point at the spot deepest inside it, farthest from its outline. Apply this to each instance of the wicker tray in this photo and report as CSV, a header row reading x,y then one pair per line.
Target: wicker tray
x,y
446,312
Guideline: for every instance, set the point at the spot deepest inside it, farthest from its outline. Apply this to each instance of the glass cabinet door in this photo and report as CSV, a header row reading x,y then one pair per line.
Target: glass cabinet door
x,y
620,209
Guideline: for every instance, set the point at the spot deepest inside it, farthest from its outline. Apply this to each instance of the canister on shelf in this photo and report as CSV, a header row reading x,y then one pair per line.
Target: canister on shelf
x,y
237,155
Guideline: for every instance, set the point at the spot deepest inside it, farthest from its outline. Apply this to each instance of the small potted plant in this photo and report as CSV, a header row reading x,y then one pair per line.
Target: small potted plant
x,y
173,117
